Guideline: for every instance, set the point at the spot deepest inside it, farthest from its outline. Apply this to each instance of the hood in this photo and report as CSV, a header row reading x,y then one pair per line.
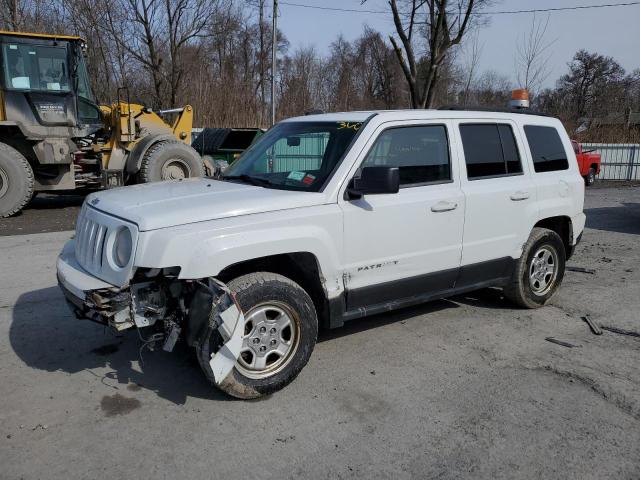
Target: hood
x,y
179,202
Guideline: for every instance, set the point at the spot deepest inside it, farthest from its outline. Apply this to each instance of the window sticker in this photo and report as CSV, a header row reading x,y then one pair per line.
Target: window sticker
x,y
349,125
295,175
308,179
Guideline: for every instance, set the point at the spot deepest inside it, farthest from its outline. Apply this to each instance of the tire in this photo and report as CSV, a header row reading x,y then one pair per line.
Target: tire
x,y
534,292
16,181
590,178
271,294
170,160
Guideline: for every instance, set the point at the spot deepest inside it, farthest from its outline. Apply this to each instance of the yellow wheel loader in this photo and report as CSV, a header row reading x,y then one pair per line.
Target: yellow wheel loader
x,y
55,137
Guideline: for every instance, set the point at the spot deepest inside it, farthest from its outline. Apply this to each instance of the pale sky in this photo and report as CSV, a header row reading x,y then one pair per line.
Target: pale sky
x,y
612,31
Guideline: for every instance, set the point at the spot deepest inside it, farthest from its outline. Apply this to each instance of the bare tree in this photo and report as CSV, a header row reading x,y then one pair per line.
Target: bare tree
x,y
440,25
12,14
532,59
156,33
492,90
33,15
470,67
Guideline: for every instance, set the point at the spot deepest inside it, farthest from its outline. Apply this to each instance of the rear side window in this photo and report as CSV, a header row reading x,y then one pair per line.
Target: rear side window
x,y
490,150
546,149
420,152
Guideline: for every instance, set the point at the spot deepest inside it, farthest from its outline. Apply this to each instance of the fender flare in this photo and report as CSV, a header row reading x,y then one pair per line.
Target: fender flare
x,y
134,159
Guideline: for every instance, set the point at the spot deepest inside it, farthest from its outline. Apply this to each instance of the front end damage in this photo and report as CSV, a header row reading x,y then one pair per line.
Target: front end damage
x,y
162,307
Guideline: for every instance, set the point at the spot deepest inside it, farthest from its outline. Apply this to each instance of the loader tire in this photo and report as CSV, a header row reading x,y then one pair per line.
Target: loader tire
x,y
281,329
16,181
170,160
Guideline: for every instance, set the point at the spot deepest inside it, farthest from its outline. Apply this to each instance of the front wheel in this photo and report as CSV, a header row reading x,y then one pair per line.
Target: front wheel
x,y
590,178
539,270
16,181
281,328
170,160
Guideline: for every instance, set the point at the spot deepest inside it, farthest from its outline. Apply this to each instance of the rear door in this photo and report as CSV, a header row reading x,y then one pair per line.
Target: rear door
x,y
407,244
500,199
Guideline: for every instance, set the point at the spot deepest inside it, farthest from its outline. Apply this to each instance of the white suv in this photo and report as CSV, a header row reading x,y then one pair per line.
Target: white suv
x,y
328,218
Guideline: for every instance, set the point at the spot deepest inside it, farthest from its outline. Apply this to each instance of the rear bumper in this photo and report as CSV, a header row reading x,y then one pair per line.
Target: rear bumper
x,y
577,224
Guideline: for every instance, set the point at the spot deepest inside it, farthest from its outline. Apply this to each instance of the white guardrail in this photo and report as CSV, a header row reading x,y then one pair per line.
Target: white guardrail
x,y
619,161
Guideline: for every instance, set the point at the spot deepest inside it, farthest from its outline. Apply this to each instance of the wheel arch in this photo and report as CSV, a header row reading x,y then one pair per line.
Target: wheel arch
x,y
134,159
13,136
563,226
301,267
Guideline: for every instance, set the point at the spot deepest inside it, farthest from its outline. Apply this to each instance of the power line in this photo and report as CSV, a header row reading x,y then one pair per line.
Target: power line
x,y
498,12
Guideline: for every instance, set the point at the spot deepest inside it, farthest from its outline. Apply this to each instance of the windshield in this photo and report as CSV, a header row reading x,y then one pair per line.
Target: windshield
x,y
295,155
36,67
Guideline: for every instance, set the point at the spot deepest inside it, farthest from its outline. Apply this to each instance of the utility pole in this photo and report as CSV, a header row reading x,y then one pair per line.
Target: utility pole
x,y
274,43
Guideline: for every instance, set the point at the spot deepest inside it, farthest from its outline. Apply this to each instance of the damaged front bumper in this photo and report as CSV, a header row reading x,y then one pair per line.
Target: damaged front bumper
x,y
122,308
88,296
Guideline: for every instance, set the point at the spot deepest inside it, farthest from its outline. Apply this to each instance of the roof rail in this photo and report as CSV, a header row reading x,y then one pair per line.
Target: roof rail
x,y
524,111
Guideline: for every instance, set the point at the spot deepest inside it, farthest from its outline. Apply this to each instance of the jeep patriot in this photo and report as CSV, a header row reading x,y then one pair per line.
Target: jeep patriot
x,y
325,219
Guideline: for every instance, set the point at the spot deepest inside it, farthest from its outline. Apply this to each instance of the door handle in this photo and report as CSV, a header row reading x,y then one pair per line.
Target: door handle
x,y
444,207
519,195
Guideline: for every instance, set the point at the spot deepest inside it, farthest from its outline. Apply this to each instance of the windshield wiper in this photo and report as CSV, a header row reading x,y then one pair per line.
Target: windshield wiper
x,y
257,181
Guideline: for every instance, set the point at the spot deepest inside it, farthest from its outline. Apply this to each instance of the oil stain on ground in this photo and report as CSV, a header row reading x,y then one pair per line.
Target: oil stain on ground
x,y
118,405
105,350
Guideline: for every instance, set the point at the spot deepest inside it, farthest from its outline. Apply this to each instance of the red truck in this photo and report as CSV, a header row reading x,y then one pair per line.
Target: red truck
x,y
588,162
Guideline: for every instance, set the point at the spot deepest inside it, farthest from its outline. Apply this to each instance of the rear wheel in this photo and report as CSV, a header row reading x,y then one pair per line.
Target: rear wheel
x,y
16,181
539,270
170,160
281,329
590,178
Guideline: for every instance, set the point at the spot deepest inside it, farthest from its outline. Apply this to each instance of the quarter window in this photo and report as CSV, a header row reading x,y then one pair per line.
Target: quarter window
x,y
490,150
546,149
420,152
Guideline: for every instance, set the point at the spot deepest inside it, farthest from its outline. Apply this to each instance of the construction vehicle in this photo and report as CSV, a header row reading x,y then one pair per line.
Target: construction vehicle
x,y
220,147
55,137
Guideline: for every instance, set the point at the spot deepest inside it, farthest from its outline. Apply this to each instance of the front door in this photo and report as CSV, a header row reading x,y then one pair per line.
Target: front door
x,y
408,244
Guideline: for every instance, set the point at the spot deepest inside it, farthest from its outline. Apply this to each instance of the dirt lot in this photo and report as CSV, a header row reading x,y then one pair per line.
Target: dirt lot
x,y
462,388
45,213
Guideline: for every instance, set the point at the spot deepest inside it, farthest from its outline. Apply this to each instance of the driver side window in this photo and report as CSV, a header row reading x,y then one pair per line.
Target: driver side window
x,y
421,153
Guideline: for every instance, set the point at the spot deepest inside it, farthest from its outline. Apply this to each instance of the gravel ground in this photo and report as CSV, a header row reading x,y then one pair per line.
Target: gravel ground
x,y
462,388
45,213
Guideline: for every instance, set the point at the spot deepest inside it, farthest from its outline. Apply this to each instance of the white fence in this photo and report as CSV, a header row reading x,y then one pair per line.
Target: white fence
x,y
620,161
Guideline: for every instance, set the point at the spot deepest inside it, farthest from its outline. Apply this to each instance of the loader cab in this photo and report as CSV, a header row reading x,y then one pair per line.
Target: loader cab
x,y
45,84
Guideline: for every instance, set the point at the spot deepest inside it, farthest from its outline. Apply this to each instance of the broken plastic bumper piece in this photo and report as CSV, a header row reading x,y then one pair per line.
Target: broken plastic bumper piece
x,y
231,329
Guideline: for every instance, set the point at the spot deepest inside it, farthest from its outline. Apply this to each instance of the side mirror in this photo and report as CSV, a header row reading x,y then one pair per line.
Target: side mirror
x,y
374,181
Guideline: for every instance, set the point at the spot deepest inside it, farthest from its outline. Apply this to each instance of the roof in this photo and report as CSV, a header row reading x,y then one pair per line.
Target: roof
x,y
49,36
415,114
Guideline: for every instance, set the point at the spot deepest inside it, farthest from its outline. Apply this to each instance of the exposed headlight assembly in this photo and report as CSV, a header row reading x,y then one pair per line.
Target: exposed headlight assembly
x,y
122,247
